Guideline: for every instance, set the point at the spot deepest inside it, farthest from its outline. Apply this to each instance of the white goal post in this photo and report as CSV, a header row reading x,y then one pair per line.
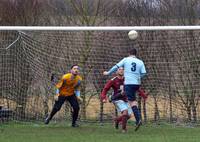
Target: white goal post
x,y
98,28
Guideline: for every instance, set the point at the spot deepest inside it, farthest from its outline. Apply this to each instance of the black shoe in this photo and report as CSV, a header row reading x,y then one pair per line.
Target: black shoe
x,y
138,125
75,125
47,120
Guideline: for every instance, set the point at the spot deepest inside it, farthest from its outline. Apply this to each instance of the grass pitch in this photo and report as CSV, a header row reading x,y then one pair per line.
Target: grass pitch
x,y
32,132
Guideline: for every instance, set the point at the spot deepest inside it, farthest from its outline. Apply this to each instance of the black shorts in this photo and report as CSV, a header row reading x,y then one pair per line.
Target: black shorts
x,y
71,99
130,91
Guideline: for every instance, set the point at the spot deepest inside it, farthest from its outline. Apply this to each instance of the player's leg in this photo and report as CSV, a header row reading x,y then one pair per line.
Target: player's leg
x,y
126,115
75,105
124,120
123,108
137,114
118,119
135,110
58,104
130,91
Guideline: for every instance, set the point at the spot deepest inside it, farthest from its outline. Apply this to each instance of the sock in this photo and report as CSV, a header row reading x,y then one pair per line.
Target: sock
x,y
118,119
136,113
124,122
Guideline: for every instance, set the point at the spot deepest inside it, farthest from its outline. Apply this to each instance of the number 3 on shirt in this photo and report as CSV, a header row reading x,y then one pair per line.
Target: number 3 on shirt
x,y
133,68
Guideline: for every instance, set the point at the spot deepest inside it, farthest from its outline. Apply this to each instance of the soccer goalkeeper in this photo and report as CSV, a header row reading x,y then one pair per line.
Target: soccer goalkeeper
x,y
68,88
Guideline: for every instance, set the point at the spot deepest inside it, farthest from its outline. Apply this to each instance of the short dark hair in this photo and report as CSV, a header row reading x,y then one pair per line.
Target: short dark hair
x,y
133,51
74,65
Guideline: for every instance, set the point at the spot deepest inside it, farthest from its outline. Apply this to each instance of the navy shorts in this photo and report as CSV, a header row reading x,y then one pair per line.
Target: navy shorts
x,y
130,91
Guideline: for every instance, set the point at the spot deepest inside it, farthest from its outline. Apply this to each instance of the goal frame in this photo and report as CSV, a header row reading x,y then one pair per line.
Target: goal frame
x,y
97,28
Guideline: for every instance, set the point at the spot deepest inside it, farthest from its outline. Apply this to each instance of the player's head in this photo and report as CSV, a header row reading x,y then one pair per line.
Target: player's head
x,y
120,71
133,51
75,69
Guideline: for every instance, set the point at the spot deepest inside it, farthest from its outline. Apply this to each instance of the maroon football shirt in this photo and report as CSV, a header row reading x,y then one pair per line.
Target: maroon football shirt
x,y
115,84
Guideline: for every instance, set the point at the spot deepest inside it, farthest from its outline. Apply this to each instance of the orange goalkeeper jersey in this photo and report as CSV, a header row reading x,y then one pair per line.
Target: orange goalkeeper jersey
x,y
68,84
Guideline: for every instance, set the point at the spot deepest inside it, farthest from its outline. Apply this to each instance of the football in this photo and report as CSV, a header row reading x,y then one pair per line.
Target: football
x,y
133,34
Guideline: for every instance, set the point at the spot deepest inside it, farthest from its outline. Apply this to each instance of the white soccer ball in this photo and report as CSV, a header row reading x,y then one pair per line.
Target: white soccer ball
x,y
133,34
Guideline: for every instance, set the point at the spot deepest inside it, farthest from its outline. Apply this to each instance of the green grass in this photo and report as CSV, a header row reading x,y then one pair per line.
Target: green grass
x,y
30,132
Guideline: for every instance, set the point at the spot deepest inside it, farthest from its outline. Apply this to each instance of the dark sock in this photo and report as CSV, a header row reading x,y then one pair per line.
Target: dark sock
x,y
136,113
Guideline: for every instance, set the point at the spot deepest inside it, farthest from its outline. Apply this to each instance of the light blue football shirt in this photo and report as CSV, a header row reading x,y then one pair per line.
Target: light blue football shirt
x,y
134,70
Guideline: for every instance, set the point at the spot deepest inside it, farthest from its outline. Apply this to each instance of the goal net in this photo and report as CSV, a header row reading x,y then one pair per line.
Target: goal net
x,y
28,59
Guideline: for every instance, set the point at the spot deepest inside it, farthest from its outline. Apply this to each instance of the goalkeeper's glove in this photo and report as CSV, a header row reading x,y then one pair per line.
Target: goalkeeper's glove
x,y
56,97
79,98
78,95
57,94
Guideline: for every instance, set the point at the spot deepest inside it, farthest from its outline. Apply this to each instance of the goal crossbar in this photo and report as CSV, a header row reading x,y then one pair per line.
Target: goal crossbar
x,y
97,28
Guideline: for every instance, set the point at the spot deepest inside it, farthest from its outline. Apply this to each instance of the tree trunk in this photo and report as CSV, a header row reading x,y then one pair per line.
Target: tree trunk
x,y
144,112
156,110
140,106
194,110
170,108
189,113
83,108
101,113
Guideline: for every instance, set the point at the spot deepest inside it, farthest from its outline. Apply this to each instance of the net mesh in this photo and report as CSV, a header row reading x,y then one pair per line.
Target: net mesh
x,y
29,59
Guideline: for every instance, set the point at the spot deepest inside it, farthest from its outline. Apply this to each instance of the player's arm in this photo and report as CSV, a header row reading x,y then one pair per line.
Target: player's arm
x,y
142,94
60,83
106,88
143,71
77,89
78,95
114,68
